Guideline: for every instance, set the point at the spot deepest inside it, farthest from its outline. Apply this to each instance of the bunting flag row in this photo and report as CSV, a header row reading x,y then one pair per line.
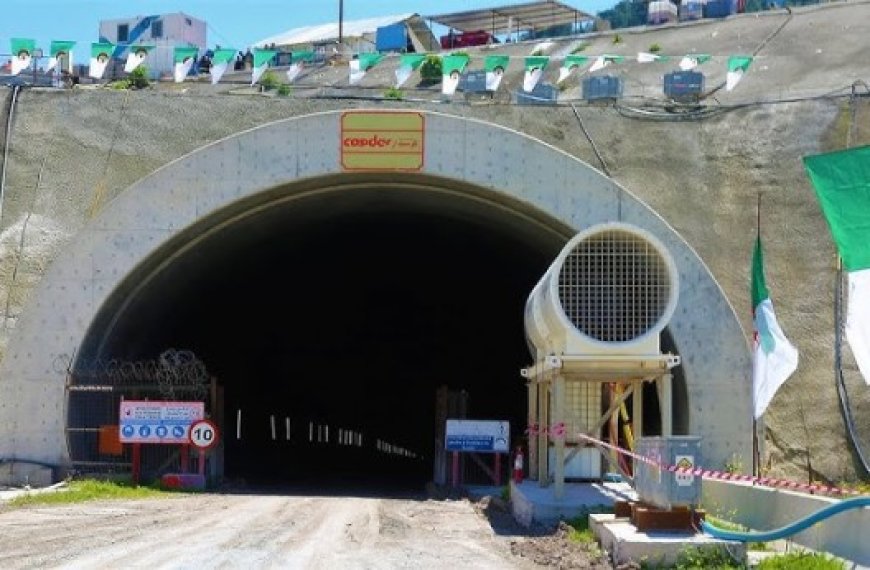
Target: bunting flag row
x,y
453,65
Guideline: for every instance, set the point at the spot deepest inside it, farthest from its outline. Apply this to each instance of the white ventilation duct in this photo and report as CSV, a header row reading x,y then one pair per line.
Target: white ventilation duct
x,y
611,291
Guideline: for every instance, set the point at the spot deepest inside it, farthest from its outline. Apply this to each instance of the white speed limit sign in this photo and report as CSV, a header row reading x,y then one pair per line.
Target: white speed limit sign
x,y
204,434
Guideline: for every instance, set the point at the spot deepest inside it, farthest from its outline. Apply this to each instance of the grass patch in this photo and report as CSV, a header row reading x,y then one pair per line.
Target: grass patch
x,y
801,561
580,47
580,531
734,527
90,490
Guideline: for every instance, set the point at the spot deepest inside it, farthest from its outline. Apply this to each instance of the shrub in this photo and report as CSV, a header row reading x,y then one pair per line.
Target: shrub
x,y
655,48
395,94
284,90
269,81
431,69
138,78
617,39
801,561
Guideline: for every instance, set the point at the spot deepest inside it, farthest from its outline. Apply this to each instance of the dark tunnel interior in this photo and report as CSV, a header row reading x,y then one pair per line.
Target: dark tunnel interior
x,y
345,309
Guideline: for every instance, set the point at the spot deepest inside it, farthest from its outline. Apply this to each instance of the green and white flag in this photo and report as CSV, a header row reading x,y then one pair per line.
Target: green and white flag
x,y
569,64
136,57
452,67
645,57
737,66
692,61
535,66
298,62
22,54
408,63
101,54
603,61
184,58
360,65
220,62
262,57
842,184
57,50
774,358
495,66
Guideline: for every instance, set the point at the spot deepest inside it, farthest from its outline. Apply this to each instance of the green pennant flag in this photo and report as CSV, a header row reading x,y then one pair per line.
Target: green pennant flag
x,y
452,67
262,57
184,58
136,57
842,183
603,61
220,62
298,59
57,49
569,63
495,66
407,64
307,56
535,65
360,65
101,54
737,66
22,54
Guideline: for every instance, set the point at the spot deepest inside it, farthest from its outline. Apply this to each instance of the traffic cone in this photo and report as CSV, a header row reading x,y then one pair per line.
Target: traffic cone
x,y
518,466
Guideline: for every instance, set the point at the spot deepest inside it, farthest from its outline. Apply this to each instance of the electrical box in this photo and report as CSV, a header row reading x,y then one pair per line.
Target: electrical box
x,y
542,94
659,487
391,38
602,87
680,85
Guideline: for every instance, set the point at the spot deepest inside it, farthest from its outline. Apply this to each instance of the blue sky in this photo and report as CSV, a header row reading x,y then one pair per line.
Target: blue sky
x,y
231,22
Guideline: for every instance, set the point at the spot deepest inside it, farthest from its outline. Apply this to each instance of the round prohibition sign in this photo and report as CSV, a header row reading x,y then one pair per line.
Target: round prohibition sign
x,y
203,434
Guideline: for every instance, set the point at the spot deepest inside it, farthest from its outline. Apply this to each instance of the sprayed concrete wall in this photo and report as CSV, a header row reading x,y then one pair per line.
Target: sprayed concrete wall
x,y
72,153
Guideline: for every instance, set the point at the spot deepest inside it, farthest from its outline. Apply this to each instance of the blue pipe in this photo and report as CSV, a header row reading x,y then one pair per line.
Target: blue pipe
x,y
788,530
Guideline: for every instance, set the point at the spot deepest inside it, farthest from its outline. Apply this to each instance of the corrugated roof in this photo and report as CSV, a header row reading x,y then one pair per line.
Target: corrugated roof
x,y
511,17
326,32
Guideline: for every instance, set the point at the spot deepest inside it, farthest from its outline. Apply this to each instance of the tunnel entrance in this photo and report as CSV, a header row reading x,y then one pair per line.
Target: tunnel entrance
x,y
337,314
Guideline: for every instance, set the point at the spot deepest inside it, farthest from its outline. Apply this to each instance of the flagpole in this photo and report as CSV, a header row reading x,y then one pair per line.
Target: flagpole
x,y
755,450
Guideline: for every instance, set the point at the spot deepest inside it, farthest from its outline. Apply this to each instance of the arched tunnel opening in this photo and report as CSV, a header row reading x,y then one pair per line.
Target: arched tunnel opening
x,y
329,314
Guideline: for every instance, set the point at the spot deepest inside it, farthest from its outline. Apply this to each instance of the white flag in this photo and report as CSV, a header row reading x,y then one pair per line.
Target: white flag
x,y
356,72
688,63
134,60
294,70
20,63
217,71
531,78
600,63
449,83
182,68
858,320
644,57
52,63
98,66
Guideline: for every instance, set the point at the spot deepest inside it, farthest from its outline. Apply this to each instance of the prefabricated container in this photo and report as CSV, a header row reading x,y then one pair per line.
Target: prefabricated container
x,y
720,8
661,12
691,10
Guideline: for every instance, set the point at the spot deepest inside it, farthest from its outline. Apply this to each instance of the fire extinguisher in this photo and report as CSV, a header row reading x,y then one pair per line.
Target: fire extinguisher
x,y
518,465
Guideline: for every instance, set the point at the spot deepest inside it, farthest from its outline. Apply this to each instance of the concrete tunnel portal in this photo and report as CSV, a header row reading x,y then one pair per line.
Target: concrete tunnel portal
x,y
346,306
329,299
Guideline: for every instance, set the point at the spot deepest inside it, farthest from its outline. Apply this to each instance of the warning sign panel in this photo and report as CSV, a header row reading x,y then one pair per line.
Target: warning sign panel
x,y
382,141
684,462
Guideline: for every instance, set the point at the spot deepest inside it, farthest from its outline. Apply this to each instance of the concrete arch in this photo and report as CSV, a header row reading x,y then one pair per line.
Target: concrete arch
x,y
497,166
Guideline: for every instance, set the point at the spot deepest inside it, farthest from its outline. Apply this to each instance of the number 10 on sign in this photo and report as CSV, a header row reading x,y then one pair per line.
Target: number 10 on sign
x,y
203,434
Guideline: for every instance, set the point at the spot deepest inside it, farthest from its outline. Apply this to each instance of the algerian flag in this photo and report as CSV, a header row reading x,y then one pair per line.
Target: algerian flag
x,y
262,57
690,62
184,58
842,183
22,52
407,64
58,49
603,61
136,57
569,64
299,59
363,63
737,66
774,358
535,65
495,66
644,57
220,62
452,67
101,53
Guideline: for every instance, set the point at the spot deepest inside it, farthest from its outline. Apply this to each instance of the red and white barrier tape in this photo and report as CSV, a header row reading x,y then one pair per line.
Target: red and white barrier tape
x,y
723,476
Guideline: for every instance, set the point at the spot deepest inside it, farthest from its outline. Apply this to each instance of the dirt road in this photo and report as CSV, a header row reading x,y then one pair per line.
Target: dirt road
x,y
254,531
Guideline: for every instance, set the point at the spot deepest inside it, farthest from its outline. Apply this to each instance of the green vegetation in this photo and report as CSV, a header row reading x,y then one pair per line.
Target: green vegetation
x,y
734,465
90,490
394,94
734,527
617,39
269,81
537,52
284,90
137,79
655,48
580,531
801,561
706,559
506,493
431,69
580,47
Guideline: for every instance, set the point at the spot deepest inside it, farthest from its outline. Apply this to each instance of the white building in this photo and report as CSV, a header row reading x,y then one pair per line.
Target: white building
x,y
165,31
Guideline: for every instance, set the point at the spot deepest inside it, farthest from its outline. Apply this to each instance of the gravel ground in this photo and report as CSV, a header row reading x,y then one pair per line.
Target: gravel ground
x,y
264,531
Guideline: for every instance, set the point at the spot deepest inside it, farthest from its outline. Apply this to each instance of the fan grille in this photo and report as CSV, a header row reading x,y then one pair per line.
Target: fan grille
x,y
614,286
